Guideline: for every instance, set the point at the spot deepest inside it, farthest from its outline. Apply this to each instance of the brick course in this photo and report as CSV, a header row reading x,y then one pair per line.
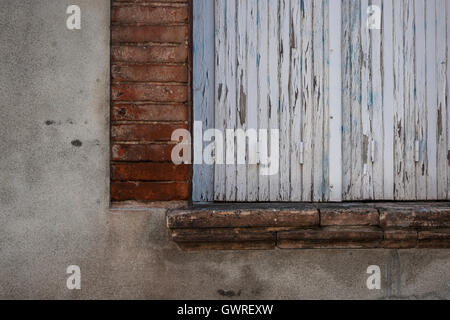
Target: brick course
x,y
150,93
305,226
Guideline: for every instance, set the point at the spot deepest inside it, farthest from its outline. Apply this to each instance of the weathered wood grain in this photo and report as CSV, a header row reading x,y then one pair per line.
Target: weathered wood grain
x,y
230,97
204,80
346,101
441,124
409,107
369,123
252,100
241,116
307,99
356,185
335,38
263,89
318,102
295,104
431,100
220,107
376,104
388,101
399,101
274,92
284,110
420,111
366,107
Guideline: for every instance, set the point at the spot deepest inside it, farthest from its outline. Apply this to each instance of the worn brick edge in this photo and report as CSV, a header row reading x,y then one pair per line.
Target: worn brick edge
x,y
322,226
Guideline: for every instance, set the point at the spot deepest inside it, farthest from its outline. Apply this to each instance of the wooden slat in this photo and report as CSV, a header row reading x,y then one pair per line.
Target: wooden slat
x,y
252,99
230,96
399,121
220,84
346,101
366,108
356,185
274,183
376,103
410,93
318,105
420,113
441,61
263,99
335,100
307,98
284,110
325,188
388,99
431,99
448,104
241,117
295,96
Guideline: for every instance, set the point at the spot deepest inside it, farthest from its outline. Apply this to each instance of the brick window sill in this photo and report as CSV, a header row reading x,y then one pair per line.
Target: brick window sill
x,y
311,226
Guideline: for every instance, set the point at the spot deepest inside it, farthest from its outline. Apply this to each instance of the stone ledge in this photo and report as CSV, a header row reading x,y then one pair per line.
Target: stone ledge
x,y
309,226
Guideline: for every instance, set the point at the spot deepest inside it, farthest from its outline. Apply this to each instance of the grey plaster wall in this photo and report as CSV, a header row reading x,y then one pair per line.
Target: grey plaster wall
x,y
54,142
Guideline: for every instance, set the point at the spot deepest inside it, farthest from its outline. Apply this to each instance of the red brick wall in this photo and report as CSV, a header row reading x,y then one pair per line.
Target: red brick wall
x,y
151,97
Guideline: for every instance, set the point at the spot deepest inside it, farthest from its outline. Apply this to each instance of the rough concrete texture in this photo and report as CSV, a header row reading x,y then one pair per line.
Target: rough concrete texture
x,y
54,105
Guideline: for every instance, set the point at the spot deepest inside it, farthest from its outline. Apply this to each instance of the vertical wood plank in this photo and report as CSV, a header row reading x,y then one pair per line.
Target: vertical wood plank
x,y
318,101
448,102
346,100
252,100
263,98
376,103
274,98
335,151
326,106
307,98
410,93
420,114
295,98
220,83
241,116
441,61
203,81
399,136
366,108
356,120
230,96
388,100
431,99
284,110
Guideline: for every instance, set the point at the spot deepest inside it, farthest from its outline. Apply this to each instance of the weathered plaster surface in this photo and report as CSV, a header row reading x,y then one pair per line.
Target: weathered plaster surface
x,y
54,105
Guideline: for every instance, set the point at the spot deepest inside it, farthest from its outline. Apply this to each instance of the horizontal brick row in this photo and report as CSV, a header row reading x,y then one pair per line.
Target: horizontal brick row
x,y
314,216
150,73
149,92
155,34
322,238
310,227
138,14
149,1
149,172
141,152
149,112
181,219
149,54
144,132
149,191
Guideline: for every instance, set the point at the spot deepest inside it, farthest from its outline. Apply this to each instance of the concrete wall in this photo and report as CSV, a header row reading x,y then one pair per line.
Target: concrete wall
x,y
54,94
